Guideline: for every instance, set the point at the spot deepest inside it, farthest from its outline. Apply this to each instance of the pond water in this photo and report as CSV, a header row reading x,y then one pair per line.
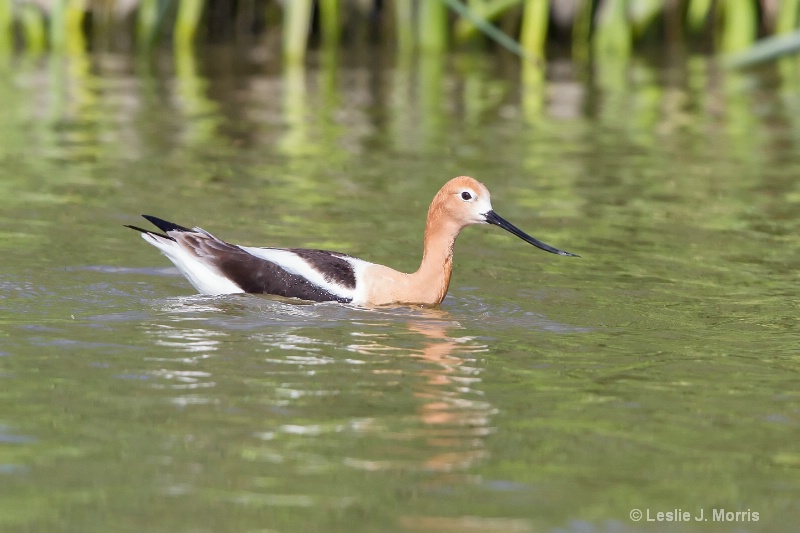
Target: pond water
x,y
658,372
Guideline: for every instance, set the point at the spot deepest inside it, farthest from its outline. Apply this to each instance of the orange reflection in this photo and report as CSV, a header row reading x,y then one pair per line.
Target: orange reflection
x,y
458,422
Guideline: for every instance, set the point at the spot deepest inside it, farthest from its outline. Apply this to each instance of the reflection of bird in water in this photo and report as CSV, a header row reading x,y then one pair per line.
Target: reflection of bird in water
x,y
452,418
214,266
466,420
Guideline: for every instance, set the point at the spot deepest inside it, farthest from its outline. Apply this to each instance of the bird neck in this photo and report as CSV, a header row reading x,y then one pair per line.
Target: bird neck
x,y
437,258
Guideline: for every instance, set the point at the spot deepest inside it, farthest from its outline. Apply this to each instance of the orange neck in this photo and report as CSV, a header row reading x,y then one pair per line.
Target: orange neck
x,y
433,275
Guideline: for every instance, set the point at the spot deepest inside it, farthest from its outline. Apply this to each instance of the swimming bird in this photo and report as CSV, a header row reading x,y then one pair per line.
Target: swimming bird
x,y
214,266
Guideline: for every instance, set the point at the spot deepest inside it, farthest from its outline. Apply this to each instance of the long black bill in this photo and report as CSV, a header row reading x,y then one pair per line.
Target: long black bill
x,y
497,220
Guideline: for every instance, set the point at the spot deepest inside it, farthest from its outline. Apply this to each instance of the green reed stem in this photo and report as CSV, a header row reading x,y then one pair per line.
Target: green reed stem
x,y
33,28
296,23
643,12
74,37
768,49
739,26
787,16
582,31
6,25
533,33
58,24
697,14
330,22
613,32
187,21
404,14
487,10
432,25
488,29
147,23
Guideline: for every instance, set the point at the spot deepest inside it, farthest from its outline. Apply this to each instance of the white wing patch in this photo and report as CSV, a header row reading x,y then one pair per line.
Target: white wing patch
x,y
205,278
294,264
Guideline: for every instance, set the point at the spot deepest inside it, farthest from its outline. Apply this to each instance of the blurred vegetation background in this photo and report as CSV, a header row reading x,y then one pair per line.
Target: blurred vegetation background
x,y
531,29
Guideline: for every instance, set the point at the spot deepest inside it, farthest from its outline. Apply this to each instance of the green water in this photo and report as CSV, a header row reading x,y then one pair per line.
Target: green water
x,y
657,372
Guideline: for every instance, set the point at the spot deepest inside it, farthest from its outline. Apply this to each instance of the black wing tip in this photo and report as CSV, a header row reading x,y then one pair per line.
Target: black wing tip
x,y
164,225
148,232
137,228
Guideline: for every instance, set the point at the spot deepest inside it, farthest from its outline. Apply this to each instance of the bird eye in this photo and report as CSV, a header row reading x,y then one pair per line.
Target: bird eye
x,y
466,196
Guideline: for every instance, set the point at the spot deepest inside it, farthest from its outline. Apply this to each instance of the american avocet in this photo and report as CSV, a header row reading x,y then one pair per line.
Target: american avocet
x,y
214,266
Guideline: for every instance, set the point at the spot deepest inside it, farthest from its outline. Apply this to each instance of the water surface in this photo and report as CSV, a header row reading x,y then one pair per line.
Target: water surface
x,y
657,372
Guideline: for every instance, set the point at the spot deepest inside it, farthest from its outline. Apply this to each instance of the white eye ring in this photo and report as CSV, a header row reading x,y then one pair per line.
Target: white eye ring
x,y
467,196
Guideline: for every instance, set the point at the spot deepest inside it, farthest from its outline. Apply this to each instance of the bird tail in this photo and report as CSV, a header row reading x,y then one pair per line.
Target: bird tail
x,y
163,225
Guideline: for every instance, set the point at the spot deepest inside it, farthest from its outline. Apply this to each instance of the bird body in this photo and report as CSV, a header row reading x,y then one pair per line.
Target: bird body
x,y
214,266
